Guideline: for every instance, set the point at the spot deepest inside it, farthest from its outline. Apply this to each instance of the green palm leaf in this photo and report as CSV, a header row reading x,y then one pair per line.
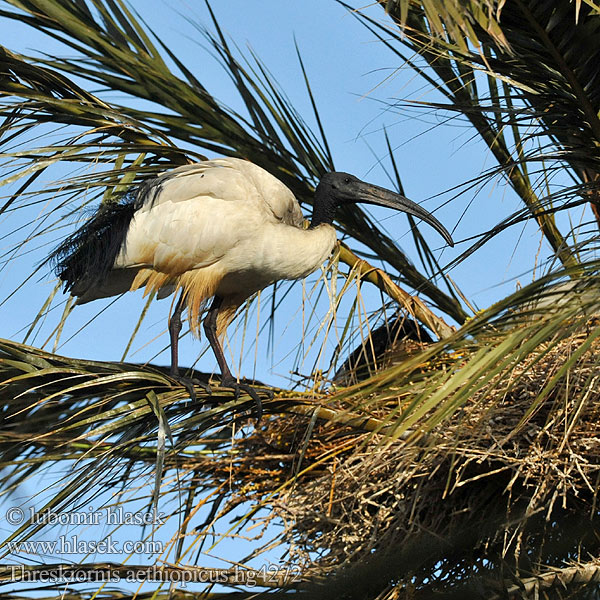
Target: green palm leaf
x,y
463,465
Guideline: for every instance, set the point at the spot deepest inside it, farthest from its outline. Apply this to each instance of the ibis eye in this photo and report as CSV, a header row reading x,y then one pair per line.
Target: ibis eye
x,y
347,180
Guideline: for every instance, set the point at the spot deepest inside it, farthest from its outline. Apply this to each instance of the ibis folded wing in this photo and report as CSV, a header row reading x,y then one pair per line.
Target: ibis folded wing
x,y
188,219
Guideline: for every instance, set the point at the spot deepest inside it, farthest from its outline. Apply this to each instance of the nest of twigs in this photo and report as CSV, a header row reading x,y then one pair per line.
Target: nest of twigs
x,y
505,480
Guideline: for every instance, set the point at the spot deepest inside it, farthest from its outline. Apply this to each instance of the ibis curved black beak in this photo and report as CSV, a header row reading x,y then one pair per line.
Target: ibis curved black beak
x,y
373,194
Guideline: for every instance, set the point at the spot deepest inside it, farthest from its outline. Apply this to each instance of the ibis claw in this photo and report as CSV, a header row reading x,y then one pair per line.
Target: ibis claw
x,y
237,388
190,384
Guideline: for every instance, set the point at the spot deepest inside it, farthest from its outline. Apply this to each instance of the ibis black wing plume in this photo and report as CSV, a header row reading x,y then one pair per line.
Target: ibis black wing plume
x,y
85,258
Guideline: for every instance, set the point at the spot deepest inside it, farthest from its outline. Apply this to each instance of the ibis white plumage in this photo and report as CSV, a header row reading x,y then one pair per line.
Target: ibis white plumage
x,y
221,229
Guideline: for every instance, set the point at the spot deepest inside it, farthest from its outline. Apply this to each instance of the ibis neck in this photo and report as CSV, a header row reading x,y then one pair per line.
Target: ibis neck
x,y
323,208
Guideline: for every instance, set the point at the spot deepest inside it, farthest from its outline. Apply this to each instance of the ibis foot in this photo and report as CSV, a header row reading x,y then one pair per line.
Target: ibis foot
x,y
189,383
232,383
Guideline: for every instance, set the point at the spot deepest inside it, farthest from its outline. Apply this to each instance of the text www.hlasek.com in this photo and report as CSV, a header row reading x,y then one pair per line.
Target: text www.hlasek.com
x,y
73,545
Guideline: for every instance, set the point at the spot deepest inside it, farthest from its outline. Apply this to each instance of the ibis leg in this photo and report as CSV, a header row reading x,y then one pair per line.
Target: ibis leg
x,y
174,331
227,379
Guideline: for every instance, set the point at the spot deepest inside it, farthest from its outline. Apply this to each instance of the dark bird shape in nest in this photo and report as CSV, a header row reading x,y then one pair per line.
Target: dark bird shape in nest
x,y
394,340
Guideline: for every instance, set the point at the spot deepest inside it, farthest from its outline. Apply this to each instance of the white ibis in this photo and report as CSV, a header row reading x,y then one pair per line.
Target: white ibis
x,y
221,229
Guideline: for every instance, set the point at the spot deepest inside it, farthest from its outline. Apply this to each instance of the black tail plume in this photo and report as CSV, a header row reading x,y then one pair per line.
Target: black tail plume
x,y
84,259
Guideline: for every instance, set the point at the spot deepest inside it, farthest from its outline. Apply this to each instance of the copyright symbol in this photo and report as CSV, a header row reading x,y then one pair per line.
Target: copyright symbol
x,y
15,515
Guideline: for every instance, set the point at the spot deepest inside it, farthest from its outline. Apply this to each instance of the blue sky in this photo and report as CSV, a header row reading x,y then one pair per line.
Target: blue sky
x,y
354,78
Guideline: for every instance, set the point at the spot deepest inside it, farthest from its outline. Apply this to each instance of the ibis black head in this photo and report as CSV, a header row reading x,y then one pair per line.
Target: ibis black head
x,y
336,189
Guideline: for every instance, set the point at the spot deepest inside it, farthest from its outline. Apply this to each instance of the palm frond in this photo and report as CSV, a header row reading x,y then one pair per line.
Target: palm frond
x,y
459,466
527,77
448,427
